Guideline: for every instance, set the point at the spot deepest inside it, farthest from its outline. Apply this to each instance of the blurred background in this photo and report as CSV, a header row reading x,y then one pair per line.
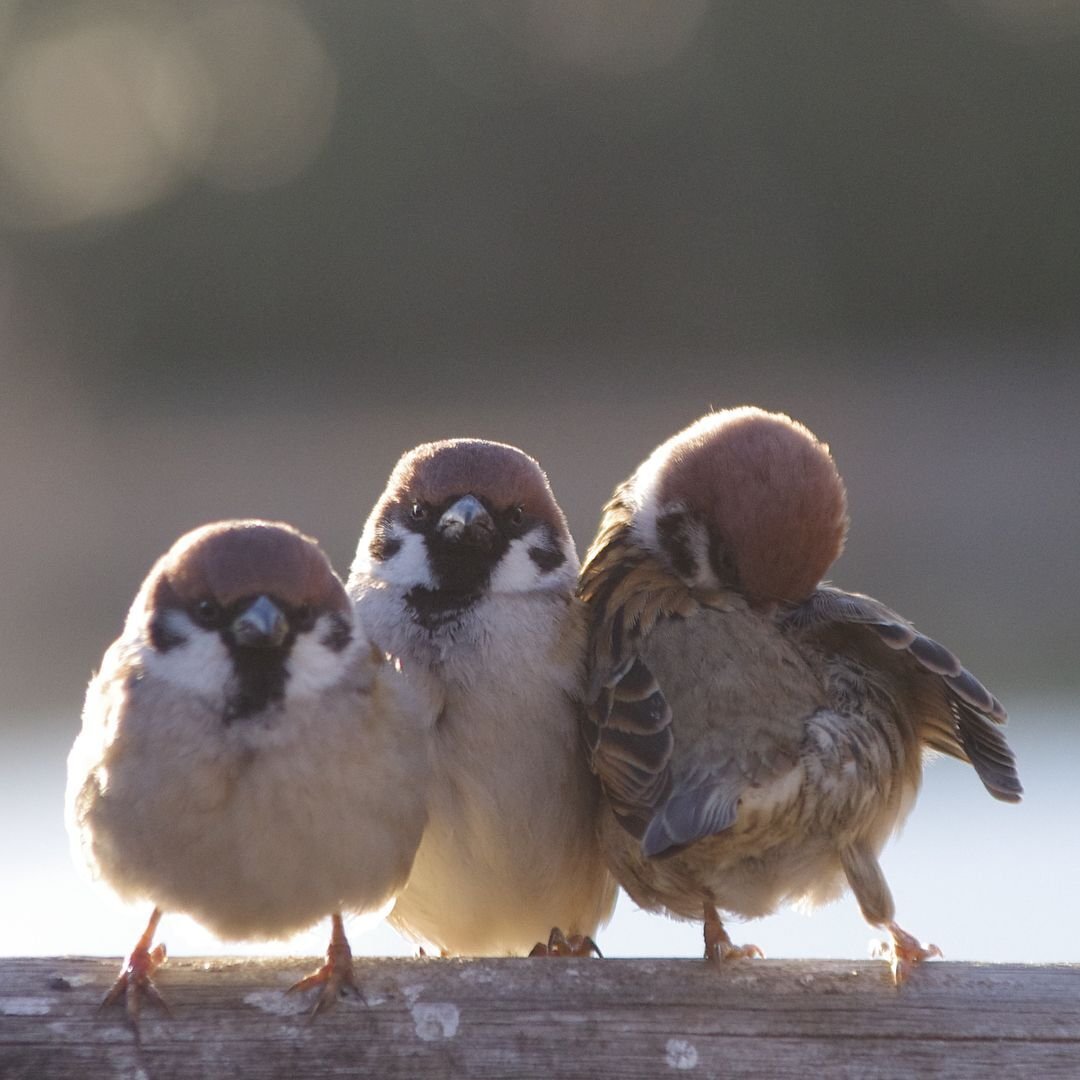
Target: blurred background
x,y
252,251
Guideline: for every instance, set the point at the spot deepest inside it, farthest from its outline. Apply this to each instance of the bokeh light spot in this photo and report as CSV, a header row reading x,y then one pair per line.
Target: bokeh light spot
x,y
89,116
276,89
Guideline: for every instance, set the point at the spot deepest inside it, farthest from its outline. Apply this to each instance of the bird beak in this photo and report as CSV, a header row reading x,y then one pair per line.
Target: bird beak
x,y
467,520
262,625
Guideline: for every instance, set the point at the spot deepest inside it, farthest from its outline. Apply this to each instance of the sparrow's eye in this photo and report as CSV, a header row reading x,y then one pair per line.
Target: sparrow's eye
x,y
419,511
303,618
208,613
517,515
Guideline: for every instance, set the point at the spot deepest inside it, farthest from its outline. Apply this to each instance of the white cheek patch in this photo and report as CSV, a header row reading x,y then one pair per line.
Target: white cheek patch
x,y
704,575
645,495
201,663
408,566
313,667
518,572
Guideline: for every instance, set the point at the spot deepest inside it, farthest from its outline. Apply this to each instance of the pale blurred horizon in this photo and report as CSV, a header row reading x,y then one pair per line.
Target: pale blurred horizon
x,y
984,880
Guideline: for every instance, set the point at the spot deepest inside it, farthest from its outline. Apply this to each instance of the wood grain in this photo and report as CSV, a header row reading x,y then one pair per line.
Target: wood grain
x,y
545,1018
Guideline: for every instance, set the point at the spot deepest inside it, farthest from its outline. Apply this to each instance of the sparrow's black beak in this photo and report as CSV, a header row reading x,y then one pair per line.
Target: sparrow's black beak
x,y
467,521
261,625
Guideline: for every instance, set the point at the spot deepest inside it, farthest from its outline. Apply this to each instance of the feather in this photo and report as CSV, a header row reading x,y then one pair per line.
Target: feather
x,y
958,719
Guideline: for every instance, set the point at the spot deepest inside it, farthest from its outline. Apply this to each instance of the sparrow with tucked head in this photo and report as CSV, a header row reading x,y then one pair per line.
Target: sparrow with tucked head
x,y
759,736
465,575
246,757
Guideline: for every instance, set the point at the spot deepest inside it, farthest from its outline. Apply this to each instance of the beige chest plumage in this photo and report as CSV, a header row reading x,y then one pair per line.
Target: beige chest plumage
x,y
257,828
511,849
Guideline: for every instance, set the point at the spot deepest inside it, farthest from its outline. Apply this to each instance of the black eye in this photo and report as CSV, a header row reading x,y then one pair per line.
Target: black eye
x,y
303,617
517,515
208,613
419,511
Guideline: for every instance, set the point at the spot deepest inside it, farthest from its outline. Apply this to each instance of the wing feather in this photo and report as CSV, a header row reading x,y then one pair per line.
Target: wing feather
x,y
698,807
628,721
961,719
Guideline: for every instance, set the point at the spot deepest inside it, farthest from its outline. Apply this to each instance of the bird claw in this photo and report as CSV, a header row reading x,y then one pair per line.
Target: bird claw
x,y
558,944
904,952
335,976
719,948
423,954
725,951
135,983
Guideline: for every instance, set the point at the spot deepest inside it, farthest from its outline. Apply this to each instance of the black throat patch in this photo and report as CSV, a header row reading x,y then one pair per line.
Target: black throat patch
x,y
434,609
260,679
461,568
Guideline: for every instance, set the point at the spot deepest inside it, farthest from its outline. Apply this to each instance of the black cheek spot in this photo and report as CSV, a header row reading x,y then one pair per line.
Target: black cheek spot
x,y
384,546
339,634
547,559
164,637
723,563
671,531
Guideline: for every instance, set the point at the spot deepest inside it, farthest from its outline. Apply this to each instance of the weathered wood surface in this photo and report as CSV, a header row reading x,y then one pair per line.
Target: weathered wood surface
x,y
547,1018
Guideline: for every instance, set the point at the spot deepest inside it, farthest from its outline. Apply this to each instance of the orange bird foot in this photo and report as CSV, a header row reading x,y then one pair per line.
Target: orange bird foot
x,y
719,948
336,975
904,952
135,984
558,944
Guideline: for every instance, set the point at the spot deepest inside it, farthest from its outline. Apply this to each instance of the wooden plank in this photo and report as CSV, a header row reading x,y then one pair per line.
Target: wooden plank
x,y
543,1018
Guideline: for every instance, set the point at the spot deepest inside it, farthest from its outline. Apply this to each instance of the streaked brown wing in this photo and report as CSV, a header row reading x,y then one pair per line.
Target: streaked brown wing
x,y
628,729
628,722
960,717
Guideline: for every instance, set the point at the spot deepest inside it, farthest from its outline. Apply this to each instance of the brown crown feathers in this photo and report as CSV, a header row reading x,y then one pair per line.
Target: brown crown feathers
x,y
229,560
767,489
503,475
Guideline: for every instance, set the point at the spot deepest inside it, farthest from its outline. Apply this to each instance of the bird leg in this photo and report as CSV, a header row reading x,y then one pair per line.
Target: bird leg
x,y
134,982
718,946
876,903
904,952
558,944
336,974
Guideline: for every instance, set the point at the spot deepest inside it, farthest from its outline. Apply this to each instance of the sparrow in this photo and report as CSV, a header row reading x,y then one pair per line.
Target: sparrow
x,y
465,575
758,735
246,757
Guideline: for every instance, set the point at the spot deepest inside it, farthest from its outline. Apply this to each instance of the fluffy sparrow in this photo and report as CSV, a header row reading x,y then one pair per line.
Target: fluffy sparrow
x,y
246,757
759,736
465,575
